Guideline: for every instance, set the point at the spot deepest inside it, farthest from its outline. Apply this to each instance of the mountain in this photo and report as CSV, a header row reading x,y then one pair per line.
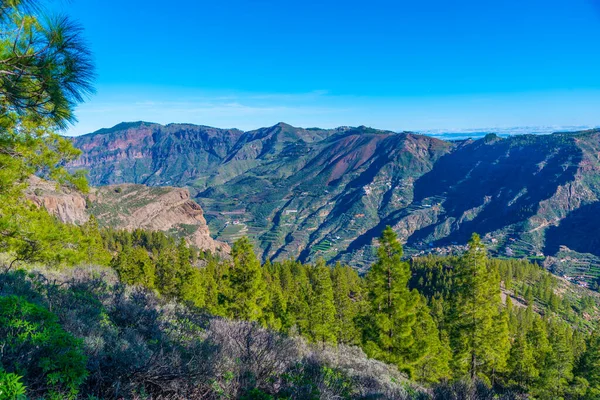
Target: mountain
x,y
129,207
309,193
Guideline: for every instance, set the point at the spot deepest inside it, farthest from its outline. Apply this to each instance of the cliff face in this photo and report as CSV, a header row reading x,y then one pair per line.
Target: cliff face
x,y
129,207
68,205
166,209
153,154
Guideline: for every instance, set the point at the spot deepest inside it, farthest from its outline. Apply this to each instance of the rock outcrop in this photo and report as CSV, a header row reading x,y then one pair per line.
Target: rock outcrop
x,y
129,206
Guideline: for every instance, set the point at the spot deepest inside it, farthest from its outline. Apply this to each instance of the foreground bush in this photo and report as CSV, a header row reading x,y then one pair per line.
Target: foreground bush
x,y
36,347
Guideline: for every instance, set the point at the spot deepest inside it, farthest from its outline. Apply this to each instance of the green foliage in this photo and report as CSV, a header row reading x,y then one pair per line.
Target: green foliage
x,y
477,341
44,72
36,347
11,387
322,307
349,304
247,292
134,266
46,68
393,305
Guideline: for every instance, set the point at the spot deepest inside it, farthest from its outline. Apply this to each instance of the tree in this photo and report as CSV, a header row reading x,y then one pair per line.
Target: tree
x,y
45,66
45,70
296,286
590,366
322,307
521,363
347,297
247,292
430,354
92,243
474,314
135,267
393,305
557,371
275,313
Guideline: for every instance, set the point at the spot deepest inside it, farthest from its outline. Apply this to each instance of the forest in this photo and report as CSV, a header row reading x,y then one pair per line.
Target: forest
x,y
97,313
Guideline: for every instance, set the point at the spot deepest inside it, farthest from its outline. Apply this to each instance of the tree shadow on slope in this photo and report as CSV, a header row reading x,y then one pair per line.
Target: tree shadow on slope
x,y
507,177
579,231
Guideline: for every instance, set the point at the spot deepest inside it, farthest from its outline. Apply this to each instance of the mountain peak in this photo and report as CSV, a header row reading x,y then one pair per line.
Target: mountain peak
x,y
121,127
283,125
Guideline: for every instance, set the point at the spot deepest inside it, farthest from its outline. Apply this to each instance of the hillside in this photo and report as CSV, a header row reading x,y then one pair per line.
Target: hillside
x,y
309,193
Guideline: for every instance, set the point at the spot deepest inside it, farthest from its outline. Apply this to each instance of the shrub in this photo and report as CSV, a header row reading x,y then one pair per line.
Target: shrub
x,y
11,387
35,346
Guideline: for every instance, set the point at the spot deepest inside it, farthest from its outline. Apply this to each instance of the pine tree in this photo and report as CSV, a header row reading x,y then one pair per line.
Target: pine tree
x,y
347,297
430,355
214,285
247,292
538,339
521,363
474,313
167,281
274,315
135,267
498,352
299,293
557,371
190,283
590,367
92,243
393,305
322,307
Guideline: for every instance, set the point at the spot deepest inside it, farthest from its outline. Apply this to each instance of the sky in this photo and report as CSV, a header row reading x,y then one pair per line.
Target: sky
x,y
398,65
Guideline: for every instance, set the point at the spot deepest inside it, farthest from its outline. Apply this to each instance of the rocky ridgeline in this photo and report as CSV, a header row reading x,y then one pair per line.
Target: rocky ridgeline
x,y
310,193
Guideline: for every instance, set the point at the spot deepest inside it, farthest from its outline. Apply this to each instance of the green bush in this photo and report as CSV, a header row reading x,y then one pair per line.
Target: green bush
x,y
11,387
35,346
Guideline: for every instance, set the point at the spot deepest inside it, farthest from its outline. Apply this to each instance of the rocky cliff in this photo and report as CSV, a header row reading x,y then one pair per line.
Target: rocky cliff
x,y
130,206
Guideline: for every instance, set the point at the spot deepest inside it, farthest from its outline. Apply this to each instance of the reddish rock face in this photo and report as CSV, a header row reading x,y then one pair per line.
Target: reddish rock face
x,y
144,152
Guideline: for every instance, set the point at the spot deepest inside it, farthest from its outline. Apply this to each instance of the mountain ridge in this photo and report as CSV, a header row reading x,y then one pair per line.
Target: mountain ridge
x,y
309,193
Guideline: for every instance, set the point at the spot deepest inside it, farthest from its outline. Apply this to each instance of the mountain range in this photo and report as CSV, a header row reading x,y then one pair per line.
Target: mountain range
x,y
310,193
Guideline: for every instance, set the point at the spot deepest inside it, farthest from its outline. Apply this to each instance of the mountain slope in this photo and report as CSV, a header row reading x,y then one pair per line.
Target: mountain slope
x,y
309,193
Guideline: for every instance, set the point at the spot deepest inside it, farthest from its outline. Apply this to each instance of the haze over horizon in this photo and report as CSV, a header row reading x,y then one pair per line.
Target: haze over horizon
x,y
417,66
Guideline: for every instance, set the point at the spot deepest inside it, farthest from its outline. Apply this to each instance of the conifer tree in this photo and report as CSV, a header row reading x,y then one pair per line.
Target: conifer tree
x,y
557,371
521,363
590,367
474,312
247,292
299,293
497,356
274,314
430,355
135,267
393,305
214,284
167,281
92,243
322,307
347,298
190,283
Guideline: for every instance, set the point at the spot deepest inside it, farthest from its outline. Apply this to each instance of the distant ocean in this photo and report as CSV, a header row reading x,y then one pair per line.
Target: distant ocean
x,y
478,133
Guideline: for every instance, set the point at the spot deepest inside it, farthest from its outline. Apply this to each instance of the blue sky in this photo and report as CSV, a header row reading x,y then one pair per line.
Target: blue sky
x,y
399,65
